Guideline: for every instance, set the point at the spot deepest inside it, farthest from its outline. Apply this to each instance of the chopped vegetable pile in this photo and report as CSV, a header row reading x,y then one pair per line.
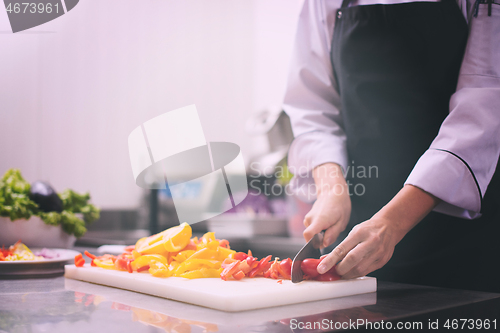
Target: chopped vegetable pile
x,y
174,253
16,202
18,252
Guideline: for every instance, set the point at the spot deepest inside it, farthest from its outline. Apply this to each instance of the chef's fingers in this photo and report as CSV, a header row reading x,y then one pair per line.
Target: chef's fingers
x,y
332,233
318,224
359,255
376,255
308,219
368,264
339,252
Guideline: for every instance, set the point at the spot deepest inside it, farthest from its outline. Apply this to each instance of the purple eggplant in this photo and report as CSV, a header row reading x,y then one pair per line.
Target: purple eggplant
x,y
46,198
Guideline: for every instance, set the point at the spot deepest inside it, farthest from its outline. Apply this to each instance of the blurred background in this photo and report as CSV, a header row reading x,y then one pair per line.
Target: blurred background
x,y
72,90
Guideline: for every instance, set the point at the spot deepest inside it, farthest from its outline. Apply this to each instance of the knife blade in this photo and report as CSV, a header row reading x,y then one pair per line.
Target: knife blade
x,y
310,250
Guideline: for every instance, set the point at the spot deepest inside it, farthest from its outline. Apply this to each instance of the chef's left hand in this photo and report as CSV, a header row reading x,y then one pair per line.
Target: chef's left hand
x,y
370,244
368,247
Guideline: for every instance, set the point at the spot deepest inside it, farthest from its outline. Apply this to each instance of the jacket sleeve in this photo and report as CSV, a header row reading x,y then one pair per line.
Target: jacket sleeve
x,y
312,101
463,157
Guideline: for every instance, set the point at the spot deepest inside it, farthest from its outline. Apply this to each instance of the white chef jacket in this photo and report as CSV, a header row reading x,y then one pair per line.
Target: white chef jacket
x,y
461,160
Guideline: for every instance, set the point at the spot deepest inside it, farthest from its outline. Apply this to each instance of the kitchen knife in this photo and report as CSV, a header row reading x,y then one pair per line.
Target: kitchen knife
x,y
310,250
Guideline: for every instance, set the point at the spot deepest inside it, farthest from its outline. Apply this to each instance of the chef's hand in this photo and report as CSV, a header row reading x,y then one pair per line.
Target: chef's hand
x,y
370,244
332,209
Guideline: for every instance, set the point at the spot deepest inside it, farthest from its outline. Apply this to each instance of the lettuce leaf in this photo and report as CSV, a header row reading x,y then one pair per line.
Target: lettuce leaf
x,y
15,203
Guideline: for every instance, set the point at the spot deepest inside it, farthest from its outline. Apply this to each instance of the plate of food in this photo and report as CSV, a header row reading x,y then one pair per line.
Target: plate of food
x,y
19,261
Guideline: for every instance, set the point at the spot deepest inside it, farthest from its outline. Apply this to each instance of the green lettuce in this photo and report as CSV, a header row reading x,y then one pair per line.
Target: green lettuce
x,y
15,203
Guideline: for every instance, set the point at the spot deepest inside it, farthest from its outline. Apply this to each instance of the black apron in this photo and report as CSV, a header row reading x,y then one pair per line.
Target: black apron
x,y
396,67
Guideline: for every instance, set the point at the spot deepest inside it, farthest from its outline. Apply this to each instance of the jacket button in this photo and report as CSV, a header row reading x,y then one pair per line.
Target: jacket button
x,y
339,14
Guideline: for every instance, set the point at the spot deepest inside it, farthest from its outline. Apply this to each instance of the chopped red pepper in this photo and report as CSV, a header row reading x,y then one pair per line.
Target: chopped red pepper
x,y
260,267
224,243
272,271
79,257
285,268
129,248
240,256
80,262
230,270
90,255
238,275
143,268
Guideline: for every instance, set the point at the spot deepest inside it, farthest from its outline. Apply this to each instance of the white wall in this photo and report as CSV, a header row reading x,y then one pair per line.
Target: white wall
x,y
72,89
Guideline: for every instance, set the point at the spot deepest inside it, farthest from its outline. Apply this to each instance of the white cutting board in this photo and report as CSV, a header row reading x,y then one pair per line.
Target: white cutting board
x,y
231,296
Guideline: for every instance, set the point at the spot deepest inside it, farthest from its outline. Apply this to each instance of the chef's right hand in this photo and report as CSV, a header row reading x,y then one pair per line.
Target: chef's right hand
x,y
332,208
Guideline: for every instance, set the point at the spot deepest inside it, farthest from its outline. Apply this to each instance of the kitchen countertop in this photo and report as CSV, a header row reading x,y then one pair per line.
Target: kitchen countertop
x,y
65,305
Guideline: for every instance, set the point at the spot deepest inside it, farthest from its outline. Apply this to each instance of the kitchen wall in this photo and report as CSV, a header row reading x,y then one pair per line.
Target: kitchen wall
x,y
71,90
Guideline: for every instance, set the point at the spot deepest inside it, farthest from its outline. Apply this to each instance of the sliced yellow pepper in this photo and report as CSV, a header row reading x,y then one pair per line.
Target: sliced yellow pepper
x,y
204,253
135,254
193,264
213,245
205,240
171,240
106,263
224,253
147,259
183,255
202,273
159,269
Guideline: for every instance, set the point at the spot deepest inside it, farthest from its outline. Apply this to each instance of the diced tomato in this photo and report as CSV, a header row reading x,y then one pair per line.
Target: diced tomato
x,y
261,267
129,266
240,256
4,253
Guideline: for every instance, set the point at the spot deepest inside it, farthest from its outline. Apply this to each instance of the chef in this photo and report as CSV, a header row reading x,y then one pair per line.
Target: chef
x,y
411,92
